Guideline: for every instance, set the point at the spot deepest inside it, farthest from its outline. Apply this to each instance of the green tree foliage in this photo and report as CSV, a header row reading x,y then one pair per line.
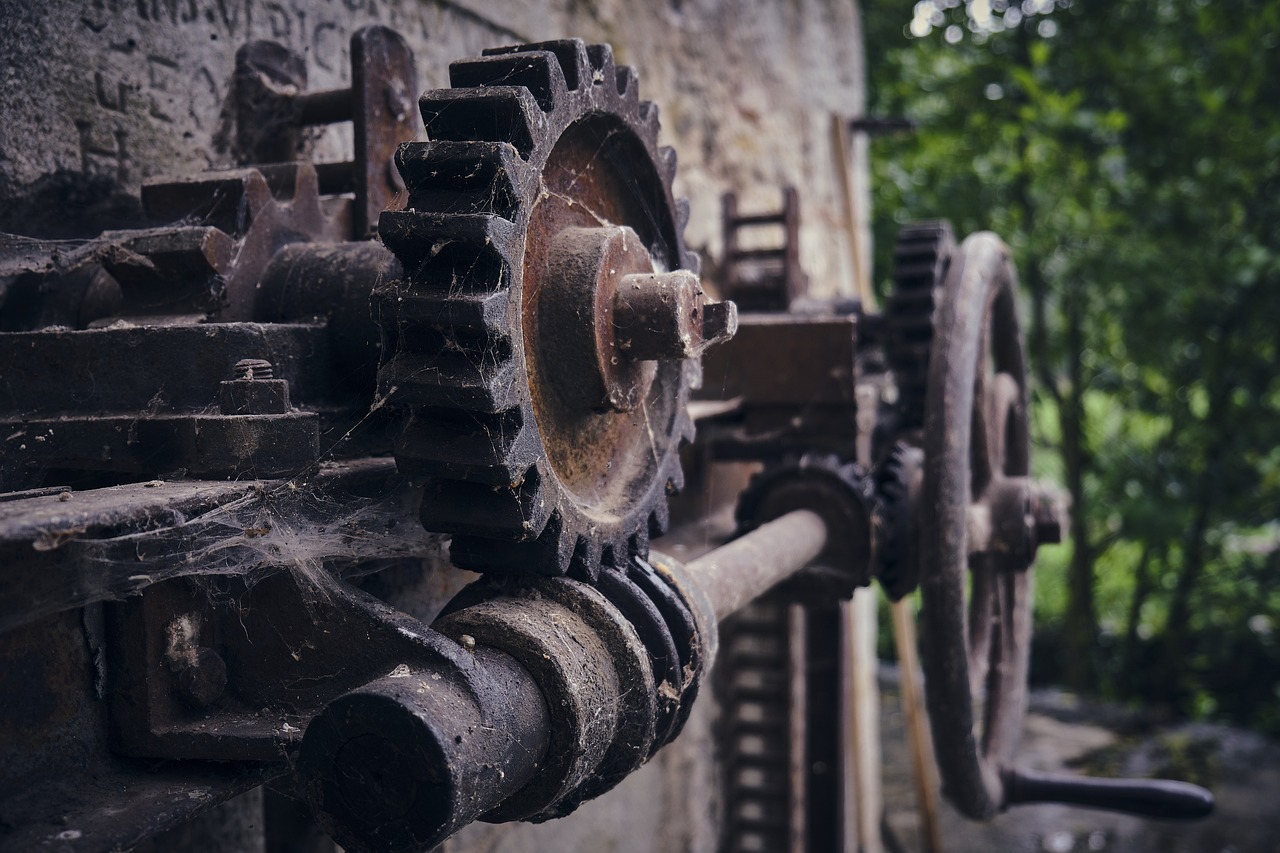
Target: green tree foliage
x,y
1129,153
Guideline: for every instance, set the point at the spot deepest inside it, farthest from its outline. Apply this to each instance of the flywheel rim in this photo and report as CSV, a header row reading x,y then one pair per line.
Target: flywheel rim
x,y
977,374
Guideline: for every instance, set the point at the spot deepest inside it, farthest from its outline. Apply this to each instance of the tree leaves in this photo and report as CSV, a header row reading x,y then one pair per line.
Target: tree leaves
x,y
1130,155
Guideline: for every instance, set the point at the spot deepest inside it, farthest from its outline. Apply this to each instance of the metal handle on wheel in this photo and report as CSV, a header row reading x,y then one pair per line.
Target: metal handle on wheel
x,y
1160,798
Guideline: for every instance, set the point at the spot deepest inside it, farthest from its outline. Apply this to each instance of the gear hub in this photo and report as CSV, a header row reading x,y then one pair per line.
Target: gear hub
x,y
544,335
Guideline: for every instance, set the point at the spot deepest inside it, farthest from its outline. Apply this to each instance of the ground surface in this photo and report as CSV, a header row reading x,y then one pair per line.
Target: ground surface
x,y
1066,735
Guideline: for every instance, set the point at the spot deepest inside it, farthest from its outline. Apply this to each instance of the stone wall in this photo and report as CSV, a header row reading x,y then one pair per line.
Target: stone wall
x,y
98,93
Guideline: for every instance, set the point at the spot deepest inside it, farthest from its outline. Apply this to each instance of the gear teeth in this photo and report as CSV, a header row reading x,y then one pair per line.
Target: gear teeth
x,y
667,169
449,378
463,177
488,512
682,209
908,300
628,83
451,323
475,318
893,522
537,71
229,200
609,554
926,230
921,256
493,114
570,53
912,327
499,448
649,124
585,563
548,554
638,544
603,70
916,267
470,317
618,550
854,493
461,252
918,248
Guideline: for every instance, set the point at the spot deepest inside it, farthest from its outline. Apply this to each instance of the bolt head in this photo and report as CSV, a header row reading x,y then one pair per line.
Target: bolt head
x,y
253,369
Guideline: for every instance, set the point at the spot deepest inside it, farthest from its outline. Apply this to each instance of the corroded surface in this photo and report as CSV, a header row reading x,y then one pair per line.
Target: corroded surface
x,y
542,188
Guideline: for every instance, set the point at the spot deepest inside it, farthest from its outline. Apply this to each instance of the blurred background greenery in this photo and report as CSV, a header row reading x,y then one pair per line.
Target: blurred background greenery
x,y
1129,153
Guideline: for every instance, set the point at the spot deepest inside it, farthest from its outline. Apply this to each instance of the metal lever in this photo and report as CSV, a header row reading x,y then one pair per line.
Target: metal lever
x,y
1161,798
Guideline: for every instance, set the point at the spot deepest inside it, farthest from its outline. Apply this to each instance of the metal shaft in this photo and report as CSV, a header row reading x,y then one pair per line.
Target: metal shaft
x,y
403,762
740,571
325,107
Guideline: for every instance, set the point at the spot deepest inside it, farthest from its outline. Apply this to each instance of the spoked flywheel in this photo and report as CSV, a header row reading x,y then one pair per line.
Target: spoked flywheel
x,y
981,532
981,520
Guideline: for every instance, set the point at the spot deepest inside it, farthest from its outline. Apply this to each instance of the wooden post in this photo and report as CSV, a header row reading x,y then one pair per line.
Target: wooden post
x,y
728,222
862,700
918,737
842,149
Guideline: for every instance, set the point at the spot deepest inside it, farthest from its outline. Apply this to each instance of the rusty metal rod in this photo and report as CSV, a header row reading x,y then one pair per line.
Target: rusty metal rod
x,y
919,739
329,107
735,574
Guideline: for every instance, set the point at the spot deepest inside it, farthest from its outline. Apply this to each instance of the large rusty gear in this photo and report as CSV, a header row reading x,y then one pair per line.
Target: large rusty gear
x,y
543,410
921,256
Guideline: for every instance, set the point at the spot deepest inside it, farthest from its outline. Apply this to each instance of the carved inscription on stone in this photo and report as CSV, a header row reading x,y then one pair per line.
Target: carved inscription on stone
x,y
133,89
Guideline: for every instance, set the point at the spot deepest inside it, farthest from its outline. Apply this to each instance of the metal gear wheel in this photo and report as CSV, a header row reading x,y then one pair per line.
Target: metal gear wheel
x,y
921,257
897,483
838,491
544,335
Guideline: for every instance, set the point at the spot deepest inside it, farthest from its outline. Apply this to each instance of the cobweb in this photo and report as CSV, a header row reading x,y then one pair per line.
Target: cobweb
x,y
345,520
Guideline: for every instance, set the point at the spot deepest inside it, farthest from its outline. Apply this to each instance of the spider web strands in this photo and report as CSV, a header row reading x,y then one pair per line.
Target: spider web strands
x,y
105,544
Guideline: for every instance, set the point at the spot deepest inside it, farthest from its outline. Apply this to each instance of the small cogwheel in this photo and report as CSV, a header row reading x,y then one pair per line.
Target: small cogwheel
x,y
842,494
